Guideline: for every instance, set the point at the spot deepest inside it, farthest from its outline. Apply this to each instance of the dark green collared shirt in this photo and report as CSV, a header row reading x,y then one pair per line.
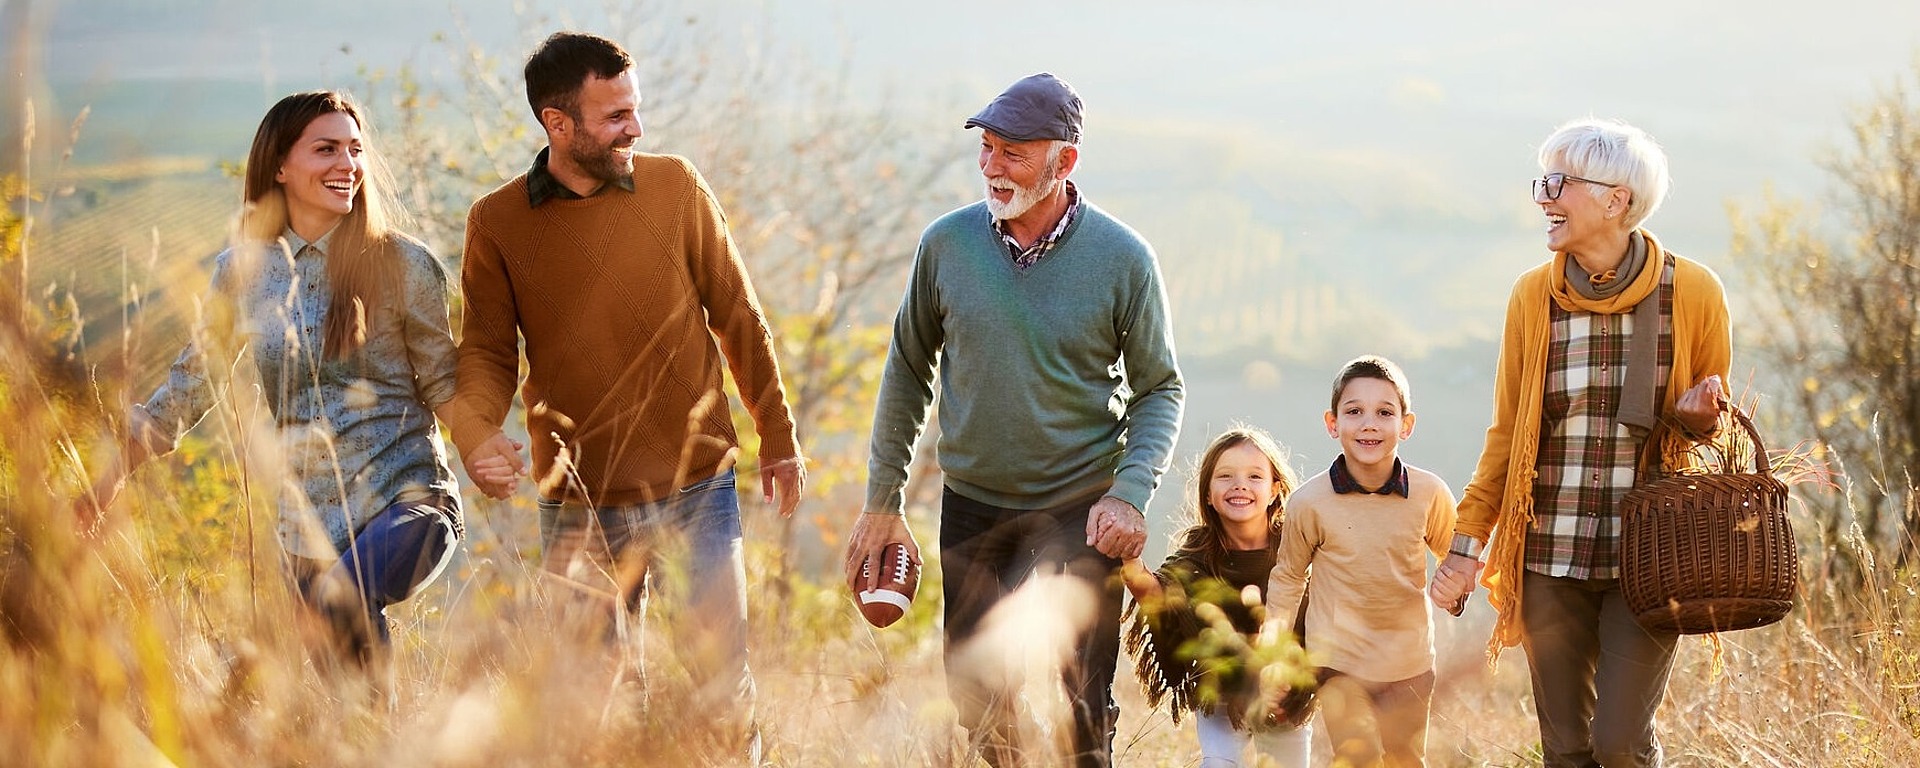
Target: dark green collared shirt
x,y
542,186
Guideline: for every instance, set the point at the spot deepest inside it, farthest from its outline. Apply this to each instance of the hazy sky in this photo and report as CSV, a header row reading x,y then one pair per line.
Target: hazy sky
x,y
1367,103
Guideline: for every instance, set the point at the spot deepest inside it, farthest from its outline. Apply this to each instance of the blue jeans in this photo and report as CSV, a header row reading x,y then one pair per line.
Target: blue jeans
x,y
686,547
399,551
987,553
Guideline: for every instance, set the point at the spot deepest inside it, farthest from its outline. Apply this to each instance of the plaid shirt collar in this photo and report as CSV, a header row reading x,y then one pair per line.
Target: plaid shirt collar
x,y
1027,257
1343,481
542,186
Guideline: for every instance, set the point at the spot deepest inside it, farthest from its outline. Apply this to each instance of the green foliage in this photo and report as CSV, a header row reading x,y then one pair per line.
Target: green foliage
x,y
1840,327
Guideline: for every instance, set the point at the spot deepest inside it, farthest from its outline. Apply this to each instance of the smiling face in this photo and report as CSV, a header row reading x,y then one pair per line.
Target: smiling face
x,y
322,174
598,141
1369,422
1588,218
1019,174
1241,489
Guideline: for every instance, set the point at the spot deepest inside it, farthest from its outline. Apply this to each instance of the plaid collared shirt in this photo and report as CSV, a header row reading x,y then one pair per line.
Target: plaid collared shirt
x,y
1027,257
1587,456
1343,481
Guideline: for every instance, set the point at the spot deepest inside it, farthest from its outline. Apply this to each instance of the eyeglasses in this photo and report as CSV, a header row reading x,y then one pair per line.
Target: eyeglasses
x,y
1551,184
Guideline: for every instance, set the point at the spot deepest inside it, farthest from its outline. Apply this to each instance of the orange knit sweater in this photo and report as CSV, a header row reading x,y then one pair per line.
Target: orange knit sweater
x,y
619,298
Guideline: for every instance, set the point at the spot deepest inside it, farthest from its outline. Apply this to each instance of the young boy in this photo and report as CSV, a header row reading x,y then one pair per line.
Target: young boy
x,y
1365,527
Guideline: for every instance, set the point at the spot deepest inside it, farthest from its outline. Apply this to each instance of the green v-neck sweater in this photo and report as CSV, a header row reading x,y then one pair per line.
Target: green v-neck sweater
x,y
1055,382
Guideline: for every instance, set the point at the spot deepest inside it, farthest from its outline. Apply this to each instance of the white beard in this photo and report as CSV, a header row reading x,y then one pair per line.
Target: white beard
x,y
1024,198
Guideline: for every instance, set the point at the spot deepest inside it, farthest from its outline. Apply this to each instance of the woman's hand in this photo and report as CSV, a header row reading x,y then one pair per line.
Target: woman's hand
x,y
1699,409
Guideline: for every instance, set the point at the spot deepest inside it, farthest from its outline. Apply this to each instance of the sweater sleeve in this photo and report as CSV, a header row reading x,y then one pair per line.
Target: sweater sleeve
x,y
906,387
1441,514
1287,585
1706,303
1159,395
735,317
1479,508
489,358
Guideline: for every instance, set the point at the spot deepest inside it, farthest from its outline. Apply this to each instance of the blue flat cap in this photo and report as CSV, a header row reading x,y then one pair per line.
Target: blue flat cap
x,y
1037,107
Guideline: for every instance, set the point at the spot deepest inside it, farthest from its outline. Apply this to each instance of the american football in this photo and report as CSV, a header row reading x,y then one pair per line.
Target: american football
x,y
888,600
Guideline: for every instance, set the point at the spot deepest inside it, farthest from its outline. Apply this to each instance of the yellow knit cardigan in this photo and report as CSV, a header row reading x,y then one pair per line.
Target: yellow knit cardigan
x,y
1499,500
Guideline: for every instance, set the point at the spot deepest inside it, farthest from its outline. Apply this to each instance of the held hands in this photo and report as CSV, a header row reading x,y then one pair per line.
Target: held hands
x,y
1453,582
872,534
1116,529
786,480
496,466
1699,409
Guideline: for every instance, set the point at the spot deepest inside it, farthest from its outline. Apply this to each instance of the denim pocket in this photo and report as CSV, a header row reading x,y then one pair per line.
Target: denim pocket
x,y
723,480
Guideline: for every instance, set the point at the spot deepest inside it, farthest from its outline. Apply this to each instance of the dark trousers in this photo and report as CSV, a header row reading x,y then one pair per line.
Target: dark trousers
x,y
1597,675
987,552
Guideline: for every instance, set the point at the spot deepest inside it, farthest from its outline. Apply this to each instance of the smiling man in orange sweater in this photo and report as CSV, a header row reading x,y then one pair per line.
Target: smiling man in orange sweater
x,y
617,269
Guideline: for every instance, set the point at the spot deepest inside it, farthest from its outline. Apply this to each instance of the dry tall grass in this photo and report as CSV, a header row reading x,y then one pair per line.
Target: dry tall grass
x,y
172,640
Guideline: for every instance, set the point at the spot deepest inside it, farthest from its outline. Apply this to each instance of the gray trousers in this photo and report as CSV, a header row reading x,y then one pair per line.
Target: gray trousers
x,y
1598,676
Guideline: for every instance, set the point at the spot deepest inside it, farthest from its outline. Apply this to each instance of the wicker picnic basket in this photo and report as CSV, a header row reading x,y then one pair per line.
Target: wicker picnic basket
x,y
1709,552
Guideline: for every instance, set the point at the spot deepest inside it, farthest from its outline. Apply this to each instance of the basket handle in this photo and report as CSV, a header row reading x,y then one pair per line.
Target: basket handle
x,y
1650,450
1761,463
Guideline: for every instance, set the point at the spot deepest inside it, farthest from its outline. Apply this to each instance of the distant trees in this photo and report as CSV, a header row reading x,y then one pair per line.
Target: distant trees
x,y
1839,322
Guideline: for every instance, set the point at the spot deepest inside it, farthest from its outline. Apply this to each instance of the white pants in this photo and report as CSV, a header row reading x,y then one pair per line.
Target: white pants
x,y
1222,745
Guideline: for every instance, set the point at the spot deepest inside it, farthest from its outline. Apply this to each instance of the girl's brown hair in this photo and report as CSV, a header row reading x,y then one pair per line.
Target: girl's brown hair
x,y
1201,541
361,256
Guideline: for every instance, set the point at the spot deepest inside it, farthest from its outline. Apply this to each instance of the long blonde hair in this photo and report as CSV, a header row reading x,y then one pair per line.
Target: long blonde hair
x,y
1202,541
362,260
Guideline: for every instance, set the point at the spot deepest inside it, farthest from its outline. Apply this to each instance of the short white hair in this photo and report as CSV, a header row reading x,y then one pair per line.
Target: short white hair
x,y
1612,152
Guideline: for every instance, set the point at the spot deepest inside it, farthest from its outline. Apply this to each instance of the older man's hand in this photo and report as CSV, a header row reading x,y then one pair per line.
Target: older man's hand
x,y
872,533
1116,528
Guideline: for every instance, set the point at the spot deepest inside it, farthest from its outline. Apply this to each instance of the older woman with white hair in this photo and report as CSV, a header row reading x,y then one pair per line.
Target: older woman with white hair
x,y
1603,341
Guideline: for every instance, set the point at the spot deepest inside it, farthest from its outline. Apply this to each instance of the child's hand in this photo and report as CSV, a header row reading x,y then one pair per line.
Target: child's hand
x,y
1453,582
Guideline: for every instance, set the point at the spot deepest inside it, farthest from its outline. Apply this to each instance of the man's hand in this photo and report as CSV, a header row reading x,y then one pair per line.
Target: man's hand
x,y
872,533
1116,529
786,480
495,466
1453,582
1699,409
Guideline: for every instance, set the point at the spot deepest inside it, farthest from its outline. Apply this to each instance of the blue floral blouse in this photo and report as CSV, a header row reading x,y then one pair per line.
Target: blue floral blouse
x,y
358,434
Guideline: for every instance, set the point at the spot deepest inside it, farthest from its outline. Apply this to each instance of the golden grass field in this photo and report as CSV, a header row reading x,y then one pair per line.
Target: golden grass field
x,y
171,640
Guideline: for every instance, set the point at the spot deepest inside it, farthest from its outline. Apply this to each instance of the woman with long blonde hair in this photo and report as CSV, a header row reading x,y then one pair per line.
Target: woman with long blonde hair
x,y
345,320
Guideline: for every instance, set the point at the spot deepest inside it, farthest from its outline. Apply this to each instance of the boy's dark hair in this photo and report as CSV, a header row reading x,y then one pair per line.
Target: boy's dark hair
x,y
1373,367
558,68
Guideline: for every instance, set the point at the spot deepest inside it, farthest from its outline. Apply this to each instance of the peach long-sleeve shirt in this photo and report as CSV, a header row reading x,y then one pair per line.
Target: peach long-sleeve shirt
x,y
1368,554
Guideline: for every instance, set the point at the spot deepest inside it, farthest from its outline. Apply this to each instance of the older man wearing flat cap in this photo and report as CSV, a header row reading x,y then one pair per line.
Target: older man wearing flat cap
x,y
1047,321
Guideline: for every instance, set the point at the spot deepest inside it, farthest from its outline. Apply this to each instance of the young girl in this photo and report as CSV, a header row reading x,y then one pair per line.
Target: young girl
x,y
346,321
1229,549
1365,527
